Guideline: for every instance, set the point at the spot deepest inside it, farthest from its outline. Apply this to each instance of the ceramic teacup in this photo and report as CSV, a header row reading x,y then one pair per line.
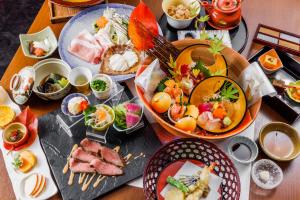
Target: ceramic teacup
x,y
85,75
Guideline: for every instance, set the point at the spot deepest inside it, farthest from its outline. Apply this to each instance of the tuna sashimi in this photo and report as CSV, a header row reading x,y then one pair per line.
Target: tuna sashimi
x,y
104,168
76,166
133,108
132,119
111,156
91,146
82,155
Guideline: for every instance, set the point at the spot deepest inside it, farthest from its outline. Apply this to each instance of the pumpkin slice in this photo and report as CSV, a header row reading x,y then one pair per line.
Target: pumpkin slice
x,y
30,184
41,188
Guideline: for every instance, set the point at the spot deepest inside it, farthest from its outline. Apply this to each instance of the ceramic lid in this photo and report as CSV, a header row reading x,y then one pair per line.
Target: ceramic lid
x,y
21,85
227,5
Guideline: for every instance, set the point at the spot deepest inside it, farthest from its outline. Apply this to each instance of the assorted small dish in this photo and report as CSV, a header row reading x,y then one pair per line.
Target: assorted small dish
x,y
15,134
74,104
280,141
101,85
266,174
128,115
80,78
181,13
39,45
270,62
50,82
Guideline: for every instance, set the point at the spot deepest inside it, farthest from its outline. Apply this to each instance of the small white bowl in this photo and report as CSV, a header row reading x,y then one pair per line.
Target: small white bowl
x,y
179,23
39,36
46,67
78,71
274,171
102,94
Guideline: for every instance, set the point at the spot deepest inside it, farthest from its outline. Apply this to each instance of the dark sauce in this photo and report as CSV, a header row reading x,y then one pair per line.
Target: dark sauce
x,y
241,151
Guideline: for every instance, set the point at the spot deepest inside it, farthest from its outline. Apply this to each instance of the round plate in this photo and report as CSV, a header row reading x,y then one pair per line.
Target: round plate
x,y
238,35
85,20
77,3
199,151
171,170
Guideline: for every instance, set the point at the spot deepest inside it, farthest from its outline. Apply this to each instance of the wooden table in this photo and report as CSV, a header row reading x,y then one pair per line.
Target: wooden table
x,y
278,13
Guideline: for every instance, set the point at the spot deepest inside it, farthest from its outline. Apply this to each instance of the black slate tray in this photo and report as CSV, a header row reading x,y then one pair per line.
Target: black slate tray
x,y
57,146
238,35
289,73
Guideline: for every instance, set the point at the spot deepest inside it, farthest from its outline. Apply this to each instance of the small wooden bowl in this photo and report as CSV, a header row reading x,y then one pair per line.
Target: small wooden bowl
x,y
13,127
291,132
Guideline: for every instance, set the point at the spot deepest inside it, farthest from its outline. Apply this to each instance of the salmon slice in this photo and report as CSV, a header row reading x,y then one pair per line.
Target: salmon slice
x,y
104,168
76,166
80,154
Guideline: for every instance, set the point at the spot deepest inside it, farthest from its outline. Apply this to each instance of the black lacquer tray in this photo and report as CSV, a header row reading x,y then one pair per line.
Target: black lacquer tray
x,y
238,35
57,146
281,103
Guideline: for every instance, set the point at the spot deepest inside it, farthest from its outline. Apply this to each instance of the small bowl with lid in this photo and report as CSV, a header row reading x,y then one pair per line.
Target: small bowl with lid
x,y
266,174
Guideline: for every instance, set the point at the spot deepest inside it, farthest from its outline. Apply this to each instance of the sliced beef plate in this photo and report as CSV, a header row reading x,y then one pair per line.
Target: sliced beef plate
x,y
104,168
80,154
80,166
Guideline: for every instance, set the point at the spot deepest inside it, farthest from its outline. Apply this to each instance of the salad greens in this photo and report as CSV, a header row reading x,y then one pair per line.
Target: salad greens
x,y
87,112
99,85
120,113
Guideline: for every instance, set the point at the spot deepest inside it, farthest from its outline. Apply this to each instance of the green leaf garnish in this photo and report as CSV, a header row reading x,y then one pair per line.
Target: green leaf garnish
x,y
161,86
229,92
17,163
172,63
200,66
216,46
200,20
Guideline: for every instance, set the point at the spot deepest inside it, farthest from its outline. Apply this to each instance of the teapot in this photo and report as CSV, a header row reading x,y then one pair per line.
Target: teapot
x,y
223,14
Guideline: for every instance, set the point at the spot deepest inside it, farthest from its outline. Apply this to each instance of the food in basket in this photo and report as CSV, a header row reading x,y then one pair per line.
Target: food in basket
x,y
35,185
52,83
77,105
7,115
25,161
99,117
39,48
120,59
128,115
190,187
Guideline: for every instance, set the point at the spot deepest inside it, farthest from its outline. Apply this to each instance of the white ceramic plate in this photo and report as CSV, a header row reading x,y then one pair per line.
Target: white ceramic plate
x,y
85,20
41,167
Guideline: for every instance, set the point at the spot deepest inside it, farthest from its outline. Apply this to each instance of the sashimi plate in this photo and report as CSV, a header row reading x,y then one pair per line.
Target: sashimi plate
x,y
85,20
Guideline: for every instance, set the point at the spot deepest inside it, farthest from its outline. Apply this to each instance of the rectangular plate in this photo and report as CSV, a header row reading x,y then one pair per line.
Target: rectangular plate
x,y
57,146
289,73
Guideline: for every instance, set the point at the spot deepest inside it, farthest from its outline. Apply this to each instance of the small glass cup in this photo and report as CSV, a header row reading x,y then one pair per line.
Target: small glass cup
x,y
81,73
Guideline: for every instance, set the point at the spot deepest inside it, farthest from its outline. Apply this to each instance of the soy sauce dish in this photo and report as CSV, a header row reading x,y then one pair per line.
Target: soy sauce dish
x,y
242,149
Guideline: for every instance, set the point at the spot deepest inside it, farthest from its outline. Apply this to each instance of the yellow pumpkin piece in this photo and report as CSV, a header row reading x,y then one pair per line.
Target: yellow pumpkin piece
x,y
28,161
7,115
192,111
186,124
161,102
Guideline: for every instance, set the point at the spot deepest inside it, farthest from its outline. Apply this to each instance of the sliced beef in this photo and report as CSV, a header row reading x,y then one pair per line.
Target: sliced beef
x,y
91,146
111,156
82,155
104,168
76,166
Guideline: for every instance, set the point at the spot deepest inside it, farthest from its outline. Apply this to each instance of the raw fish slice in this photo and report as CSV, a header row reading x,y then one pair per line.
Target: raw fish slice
x,y
91,146
111,156
133,108
207,121
85,35
104,168
131,119
80,154
86,51
76,166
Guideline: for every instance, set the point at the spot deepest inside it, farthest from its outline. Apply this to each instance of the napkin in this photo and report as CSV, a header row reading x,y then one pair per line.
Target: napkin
x,y
189,168
150,78
255,83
